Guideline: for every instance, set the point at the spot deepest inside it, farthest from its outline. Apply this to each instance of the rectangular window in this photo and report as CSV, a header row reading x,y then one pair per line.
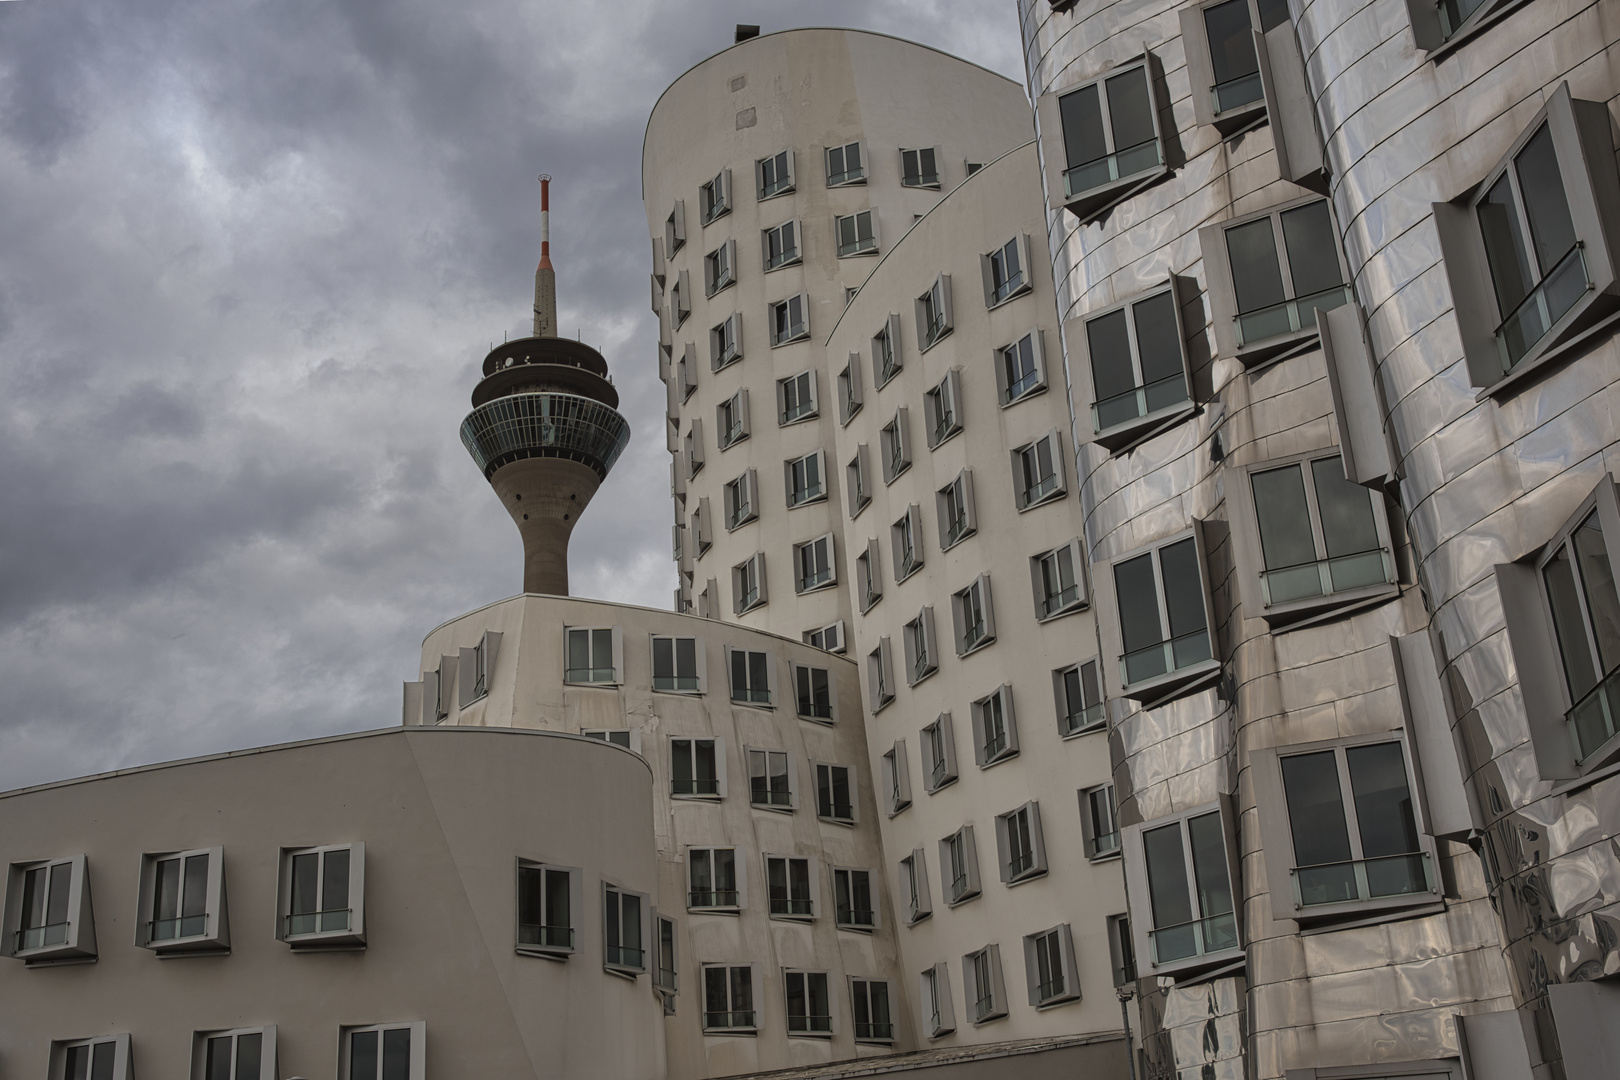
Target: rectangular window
x,y
907,536
712,879
770,779
935,996
594,655
1577,579
941,408
628,738
852,900
725,342
934,313
548,898
775,174
1163,615
833,794
857,234
1138,365
896,778
731,419
868,576
323,896
1018,836
974,617
474,666
1079,698
849,389
1038,471
1185,870
741,506
1006,272
858,480
804,478
869,1005
809,1009
182,902
1121,949
814,687
957,518
914,886
845,165
384,1052
939,754
667,974
920,168
1222,62
995,733
675,229
685,378
780,245
714,197
750,676
1049,965
1101,824
720,268
982,985
48,905
1111,144
1059,579
695,767
959,866
694,448
790,320
796,398
675,664
680,300
880,674
1319,534
623,930
829,638
789,887
886,352
728,998
1020,369
895,443
922,658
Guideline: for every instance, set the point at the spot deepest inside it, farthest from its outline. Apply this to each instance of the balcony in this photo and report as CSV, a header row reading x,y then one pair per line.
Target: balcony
x,y
546,937
1324,577
1288,317
1110,169
1355,880
1183,941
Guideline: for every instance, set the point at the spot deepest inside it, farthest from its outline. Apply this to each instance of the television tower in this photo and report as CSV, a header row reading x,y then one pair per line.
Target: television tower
x,y
545,428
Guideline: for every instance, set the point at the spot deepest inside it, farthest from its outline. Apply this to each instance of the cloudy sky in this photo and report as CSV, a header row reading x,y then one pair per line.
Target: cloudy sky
x,y
251,254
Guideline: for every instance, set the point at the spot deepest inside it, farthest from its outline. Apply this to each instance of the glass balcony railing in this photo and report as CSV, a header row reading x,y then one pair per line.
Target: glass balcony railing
x,y
973,635
1040,490
1289,316
1089,716
1004,289
1363,879
955,528
797,411
1592,720
751,695
1548,302
1021,862
1056,602
983,1006
729,1021
995,745
939,774
1022,385
946,425
1106,844
1327,576
624,956
1165,657
855,247
1197,938
922,666
668,981
175,929
707,898
819,577
848,176
588,675
1140,402
41,937
888,369
545,936
1233,93
959,886
820,710
1120,165
318,922
935,329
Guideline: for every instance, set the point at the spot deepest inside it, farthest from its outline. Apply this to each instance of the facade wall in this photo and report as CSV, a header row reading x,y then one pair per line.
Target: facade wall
x,y
444,816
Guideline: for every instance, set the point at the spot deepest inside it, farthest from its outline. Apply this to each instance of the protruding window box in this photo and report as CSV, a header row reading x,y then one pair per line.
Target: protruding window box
x,y
1112,145
48,917
1136,355
105,1057
322,891
1167,644
232,1054
182,903
1179,872
549,901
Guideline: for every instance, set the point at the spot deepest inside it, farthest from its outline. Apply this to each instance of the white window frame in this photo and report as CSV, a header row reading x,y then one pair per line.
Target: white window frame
x,y
805,403
921,648
751,695
1175,679
894,441
625,738
741,498
1100,831
973,616
215,937
1028,497
797,497
959,879
694,447
844,918
993,263
761,762
846,176
1086,715
880,675
624,964
77,928
719,781
914,887
474,667
418,1046
850,397
1137,887
858,480
934,1001
748,584
714,197
1053,947
351,936
826,768
1118,435
939,754
958,518
934,314
990,748
720,268
778,179
1092,201
680,300
1034,858
675,230
877,1032
831,638
1121,949
737,1021
812,1024
942,409
548,949
896,778
266,1066
983,984
794,331
887,360
809,671
920,177
792,908
731,419
686,382
716,897
1201,73
666,970
787,254
725,342
908,526
593,675
861,245
702,528
1010,392
120,1055
1049,605
869,576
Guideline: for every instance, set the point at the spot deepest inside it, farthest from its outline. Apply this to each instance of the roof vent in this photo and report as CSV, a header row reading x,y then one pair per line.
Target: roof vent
x,y
746,32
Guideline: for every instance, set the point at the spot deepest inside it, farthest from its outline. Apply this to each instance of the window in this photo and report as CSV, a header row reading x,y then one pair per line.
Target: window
x,y
383,1052
809,1010
789,320
666,976
1049,967
922,658
959,866
886,352
868,576
697,768
995,733
595,655
1163,617
549,898
750,676
796,398
694,448
1222,63
1528,254
844,165
714,197
104,1058
728,998
1181,868
1121,949
954,501
1099,821
869,1005
1321,538
833,794
829,638
708,600
49,914
849,389
1111,142
982,986
914,886
625,928
920,168
675,229
939,754
788,884
680,300
629,738
858,480
770,779
712,880
438,687
1079,698
1138,365
731,419
1006,271
804,479
880,674
725,342
741,505
907,536
896,778
941,407
934,313
474,666
1059,579
182,902
685,377
1437,24
1269,274
849,294
1038,471
780,245
774,174
935,997
1020,369
814,687
677,664
857,234
974,618
896,446
323,896
1018,839
852,900
720,268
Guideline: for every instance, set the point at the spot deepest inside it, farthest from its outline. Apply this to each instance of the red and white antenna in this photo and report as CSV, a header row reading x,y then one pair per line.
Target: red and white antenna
x,y
545,278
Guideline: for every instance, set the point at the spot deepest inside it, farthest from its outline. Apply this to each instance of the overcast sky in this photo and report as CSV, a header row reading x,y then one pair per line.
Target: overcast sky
x,y
251,254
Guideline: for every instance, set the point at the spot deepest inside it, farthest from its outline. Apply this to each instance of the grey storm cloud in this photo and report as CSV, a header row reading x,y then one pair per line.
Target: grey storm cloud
x,y
251,254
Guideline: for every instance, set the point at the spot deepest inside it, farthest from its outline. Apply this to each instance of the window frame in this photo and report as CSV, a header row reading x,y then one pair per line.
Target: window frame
x,y
869,576
576,909
886,345
719,750
850,397
942,409
858,480
729,435
982,750
803,585
946,500
972,886
790,337
807,401
997,996
1005,398
644,919
923,180
739,872
1044,611
894,441
908,523
1121,436
921,646
793,256
1099,845
680,300
934,1001
199,1050
418,1046
700,677
762,755
725,342
120,1043
844,179
939,742
873,878
799,909
1121,949
768,700
935,316
78,944
1201,73
714,198
1137,888
832,693
694,447
675,230
615,670
850,783
351,938
872,244
834,633
667,987
779,185
812,495
720,268
474,667
1010,874
1093,203
1429,32
1174,681
914,887
1070,992
808,1032
216,936
754,991
880,675
632,737
873,1036
740,511
1059,491
994,298
977,592
1065,711
896,778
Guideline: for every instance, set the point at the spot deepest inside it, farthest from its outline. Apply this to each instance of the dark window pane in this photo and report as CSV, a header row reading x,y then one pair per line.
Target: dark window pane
x,y
167,890
742,989
1252,250
77,1065
579,650
557,898
1504,247
1384,814
1081,114
1130,110
396,1063
1167,876
195,901
1551,230
1209,864
1158,342
335,885
1580,671
248,1050
756,671
304,884
1110,346
714,990
1284,517
1313,258
1597,581
363,1055
106,1056
686,657
863,1015
217,1065
1273,13
681,760
61,879
1231,44
796,1005
1316,816
529,895
1183,587
34,899
1139,622
1347,516
663,658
